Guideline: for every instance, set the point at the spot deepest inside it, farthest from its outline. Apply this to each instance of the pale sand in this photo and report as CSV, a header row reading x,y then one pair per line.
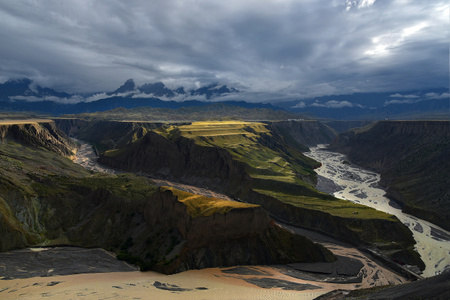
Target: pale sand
x,y
200,284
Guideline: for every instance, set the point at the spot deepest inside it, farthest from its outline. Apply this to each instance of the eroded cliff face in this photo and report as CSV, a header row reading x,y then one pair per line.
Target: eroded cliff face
x,y
307,133
352,230
153,230
412,157
183,160
45,199
105,135
43,134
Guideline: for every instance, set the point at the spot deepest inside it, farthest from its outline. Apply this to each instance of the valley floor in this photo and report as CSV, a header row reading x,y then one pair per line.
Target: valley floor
x,y
46,272
95,274
355,184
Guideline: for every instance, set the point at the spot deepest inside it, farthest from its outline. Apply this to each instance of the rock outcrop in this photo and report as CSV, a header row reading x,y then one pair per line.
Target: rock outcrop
x,y
43,134
45,199
307,133
352,230
181,159
412,157
105,135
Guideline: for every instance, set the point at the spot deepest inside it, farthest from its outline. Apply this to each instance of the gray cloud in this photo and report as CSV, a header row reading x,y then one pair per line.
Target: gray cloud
x,y
396,101
274,48
333,104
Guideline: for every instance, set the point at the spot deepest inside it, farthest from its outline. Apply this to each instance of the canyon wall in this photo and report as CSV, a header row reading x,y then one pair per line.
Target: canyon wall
x,y
45,199
413,159
183,160
306,133
43,134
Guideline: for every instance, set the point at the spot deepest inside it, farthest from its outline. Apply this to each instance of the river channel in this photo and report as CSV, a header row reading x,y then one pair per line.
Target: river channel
x,y
345,181
349,182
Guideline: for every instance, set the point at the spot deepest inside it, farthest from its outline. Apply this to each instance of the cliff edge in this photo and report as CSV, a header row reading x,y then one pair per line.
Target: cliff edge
x,y
46,199
412,157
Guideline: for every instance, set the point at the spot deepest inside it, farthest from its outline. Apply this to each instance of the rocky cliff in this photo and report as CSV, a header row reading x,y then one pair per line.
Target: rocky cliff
x,y
412,157
180,158
105,135
306,133
42,134
45,199
357,231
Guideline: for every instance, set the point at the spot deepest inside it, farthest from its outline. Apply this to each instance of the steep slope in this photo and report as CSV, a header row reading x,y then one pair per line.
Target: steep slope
x,y
46,199
412,157
44,134
246,160
307,133
437,287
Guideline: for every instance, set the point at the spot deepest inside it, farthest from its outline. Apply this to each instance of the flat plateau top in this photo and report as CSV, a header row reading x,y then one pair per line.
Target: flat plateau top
x,y
29,121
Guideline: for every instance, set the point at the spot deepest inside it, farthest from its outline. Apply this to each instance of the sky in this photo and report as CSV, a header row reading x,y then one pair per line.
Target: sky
x,y
275,49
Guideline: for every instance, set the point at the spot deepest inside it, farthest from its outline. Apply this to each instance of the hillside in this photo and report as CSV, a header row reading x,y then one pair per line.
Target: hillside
x,y
412,157
46,199
247,161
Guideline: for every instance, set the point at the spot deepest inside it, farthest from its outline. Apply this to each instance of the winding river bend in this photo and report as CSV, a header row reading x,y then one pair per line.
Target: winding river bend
x,y
349,182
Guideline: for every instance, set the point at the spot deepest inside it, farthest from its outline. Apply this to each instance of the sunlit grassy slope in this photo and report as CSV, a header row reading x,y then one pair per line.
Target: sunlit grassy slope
x,y
202,206
276,170
244,141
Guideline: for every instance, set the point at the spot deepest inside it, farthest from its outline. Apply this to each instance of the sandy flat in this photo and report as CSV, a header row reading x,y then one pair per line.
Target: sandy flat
x,y
195,284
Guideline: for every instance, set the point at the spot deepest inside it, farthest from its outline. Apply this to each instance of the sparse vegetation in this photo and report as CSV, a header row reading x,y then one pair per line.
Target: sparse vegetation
x,y
274,172
201,206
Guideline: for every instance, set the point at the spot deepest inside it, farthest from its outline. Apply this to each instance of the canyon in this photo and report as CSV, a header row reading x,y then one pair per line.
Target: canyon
x,y
259,168
48,200
412,159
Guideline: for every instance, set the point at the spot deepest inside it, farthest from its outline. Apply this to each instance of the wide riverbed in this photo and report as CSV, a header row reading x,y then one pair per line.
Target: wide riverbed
x,y
352,270
352,183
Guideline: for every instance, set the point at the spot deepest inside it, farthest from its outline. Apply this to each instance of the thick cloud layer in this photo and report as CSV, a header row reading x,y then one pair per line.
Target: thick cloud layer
x,y
270,49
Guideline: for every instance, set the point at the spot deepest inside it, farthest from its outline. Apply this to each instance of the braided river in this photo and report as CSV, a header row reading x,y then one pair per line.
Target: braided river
x,y
349,182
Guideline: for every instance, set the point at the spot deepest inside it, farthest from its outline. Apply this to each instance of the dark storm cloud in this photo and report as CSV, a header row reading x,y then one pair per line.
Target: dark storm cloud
x,y
268,49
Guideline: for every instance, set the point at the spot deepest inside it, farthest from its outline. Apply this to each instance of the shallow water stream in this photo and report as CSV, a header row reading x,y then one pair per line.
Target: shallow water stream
x,y
352,183
347,182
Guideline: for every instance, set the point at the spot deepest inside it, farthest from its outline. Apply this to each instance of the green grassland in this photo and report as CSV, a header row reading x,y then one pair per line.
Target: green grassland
x,y
280,172
202,206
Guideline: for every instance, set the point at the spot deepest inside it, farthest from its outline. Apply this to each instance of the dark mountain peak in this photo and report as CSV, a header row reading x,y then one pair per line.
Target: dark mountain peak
x,y
43,92
26,87
128,86
180,91
14,87
157,89
214,89
19,81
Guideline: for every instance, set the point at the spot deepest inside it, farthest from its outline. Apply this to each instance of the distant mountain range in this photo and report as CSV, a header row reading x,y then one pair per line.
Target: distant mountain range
x,y
425,104
158,89
26,95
